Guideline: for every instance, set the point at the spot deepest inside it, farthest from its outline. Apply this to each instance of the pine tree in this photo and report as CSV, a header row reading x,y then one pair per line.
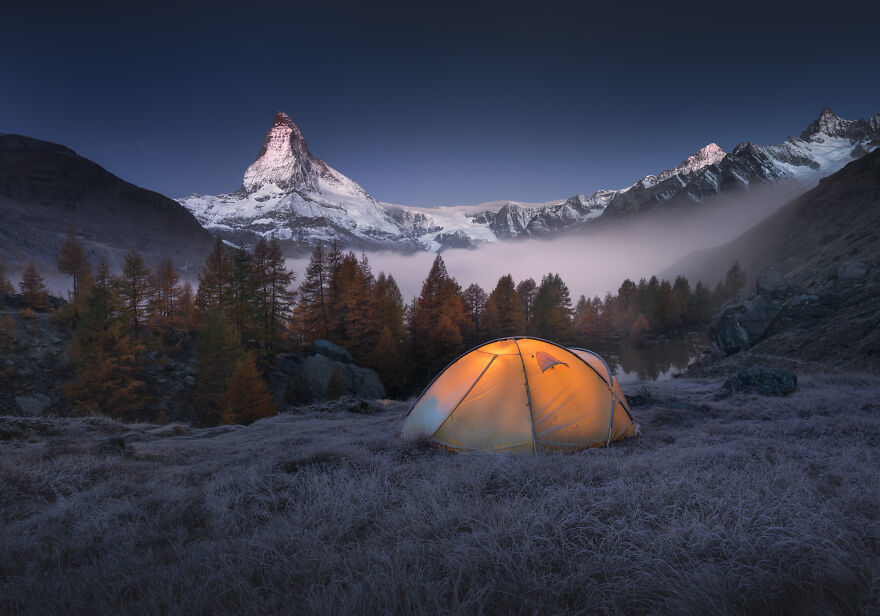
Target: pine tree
x,y
504,310
475,299
33,288
219,354
246,399
214,279
135,289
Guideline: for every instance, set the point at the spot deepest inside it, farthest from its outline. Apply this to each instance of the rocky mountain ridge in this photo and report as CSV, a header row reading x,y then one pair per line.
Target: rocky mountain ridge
x,y
289,193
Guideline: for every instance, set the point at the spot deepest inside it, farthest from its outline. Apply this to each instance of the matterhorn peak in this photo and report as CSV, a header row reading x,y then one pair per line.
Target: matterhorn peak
x,y
284,160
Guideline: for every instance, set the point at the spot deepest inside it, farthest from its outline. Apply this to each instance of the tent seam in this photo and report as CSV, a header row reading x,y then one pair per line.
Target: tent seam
x,y
528,394
474,384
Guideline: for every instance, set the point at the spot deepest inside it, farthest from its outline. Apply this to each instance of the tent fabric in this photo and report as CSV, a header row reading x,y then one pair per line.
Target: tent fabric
x,y
522,395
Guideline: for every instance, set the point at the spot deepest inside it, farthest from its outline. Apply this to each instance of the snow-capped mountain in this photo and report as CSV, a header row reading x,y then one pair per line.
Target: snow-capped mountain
x,y
301,200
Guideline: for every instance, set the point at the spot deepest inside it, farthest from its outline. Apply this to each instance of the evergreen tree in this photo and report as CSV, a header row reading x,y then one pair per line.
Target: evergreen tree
x,y
135,290
475,300
5,285
526,290
240,303
438,323
700,305
33,288
551,311
313,297
734,280
246,398
219,353
387,357
214,279
504,310
274,297
167,293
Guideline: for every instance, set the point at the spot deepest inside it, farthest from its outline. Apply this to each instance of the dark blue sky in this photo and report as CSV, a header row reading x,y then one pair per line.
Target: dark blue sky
x,y
454,104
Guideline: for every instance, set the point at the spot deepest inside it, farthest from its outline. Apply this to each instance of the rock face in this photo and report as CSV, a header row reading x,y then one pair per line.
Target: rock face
x,y
761,380
771,283
300,380
741,325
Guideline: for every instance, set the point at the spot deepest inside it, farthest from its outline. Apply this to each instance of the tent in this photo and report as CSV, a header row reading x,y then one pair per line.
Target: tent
x,y
522,395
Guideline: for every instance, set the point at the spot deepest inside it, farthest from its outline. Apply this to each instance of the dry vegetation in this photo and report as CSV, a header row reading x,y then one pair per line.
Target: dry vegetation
x,y
740,505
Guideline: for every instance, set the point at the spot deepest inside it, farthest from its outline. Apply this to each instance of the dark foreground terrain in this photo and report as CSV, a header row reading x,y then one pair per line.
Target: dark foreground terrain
x,y
738,505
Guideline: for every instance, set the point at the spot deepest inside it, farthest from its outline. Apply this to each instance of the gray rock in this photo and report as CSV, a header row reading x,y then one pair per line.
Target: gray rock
x,y
315,372
771,283
761,380
35,404
333,351
741,325
852,271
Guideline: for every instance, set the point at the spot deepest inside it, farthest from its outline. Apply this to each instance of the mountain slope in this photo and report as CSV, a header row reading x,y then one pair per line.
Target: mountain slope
x,y
836,221
290,194
46,188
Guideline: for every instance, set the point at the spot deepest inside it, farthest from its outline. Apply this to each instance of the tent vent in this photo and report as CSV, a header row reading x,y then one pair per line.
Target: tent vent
x,y
545,361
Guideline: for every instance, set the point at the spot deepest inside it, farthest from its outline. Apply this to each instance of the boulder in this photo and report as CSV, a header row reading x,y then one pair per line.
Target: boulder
x,y
741,325
852,271
333,351
761,380
313,378
35,404
771,283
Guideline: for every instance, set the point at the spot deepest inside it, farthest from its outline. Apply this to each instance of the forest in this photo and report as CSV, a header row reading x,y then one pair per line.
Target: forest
x,y
248,307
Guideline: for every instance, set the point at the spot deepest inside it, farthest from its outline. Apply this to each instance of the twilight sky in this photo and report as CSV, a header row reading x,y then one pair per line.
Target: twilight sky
x,y
453,104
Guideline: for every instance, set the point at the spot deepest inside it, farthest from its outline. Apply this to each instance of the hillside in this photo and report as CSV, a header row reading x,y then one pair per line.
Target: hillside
x,y
832,223
46,188
742,505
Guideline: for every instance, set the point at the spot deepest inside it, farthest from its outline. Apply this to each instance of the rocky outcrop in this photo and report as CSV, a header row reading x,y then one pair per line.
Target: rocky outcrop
x,y
328,372
741,325
761,380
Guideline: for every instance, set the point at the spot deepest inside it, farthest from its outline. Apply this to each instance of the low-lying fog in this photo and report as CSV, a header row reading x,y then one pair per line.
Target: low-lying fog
x,y
596,261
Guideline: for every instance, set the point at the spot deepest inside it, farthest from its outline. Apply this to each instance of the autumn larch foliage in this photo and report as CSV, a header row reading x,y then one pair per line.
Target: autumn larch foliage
x,y
33,288
246,398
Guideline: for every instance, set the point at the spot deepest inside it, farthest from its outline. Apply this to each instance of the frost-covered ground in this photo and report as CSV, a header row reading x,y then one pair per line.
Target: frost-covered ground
x,y
741,505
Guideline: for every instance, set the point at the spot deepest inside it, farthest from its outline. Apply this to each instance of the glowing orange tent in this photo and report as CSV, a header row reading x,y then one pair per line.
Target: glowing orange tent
x,y
522,395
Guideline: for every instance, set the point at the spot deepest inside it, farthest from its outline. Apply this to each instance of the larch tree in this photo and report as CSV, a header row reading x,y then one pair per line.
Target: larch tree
x,y
475,299
168,290
214,279
245,397
72,262
504,310
438,322
551,310
5,285
135,289
219,354
33,288
526,290
313,297
388,356
273,294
